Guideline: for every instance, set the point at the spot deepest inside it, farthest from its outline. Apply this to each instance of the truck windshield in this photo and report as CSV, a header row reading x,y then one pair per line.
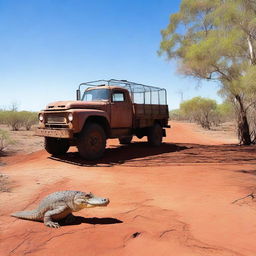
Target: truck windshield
x,y
96,95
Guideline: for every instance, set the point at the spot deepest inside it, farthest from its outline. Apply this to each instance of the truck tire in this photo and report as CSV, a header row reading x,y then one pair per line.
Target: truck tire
x,y
92,142
155,135
56,146
125,140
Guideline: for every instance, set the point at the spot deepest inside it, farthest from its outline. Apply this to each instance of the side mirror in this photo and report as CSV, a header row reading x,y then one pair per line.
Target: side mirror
x,y
78,95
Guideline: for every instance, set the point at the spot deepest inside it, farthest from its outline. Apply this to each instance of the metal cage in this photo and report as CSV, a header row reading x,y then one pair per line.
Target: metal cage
x,y
140,93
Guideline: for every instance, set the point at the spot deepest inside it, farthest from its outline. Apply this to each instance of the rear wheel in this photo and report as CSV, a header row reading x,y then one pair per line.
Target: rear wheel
x,y
125,140
92,142
155,135
56,146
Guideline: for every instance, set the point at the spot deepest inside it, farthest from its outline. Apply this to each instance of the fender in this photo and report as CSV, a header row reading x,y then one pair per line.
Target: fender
x,y
81,116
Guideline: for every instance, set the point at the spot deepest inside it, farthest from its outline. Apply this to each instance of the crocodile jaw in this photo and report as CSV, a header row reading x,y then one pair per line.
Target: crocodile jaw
x,y
97,202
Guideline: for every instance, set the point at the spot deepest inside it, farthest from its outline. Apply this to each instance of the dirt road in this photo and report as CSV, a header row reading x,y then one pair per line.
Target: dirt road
x,y
173,200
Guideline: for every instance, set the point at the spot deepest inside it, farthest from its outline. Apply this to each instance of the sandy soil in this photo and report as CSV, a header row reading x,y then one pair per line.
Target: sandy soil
x,y
177,199
22,141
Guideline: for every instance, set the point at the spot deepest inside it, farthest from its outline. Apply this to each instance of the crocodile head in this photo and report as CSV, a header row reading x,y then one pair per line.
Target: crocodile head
x,y
84,200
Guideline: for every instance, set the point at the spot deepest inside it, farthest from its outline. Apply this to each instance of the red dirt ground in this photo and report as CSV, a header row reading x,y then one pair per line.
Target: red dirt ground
x,y
173,200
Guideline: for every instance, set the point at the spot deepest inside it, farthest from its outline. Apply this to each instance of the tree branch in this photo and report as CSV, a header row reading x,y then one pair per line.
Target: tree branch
x,y
222,73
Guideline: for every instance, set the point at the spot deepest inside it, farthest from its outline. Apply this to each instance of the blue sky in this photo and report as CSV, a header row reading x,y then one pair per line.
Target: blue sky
x,y
48,47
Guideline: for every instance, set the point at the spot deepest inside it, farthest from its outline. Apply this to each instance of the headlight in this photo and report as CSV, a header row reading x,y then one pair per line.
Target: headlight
x,y
70,117
41,117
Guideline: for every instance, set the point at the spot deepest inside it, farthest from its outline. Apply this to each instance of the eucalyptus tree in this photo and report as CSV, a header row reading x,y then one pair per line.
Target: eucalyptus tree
x,y
216,40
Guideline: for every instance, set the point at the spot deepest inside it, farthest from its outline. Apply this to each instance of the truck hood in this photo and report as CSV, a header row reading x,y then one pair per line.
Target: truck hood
x,y
62,105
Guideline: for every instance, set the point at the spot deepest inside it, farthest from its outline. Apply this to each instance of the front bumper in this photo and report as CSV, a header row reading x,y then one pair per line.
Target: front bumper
x,y
55,133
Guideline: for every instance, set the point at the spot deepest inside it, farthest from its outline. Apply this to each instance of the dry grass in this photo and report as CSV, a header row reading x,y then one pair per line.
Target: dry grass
x,y
4,183
227,131
25,141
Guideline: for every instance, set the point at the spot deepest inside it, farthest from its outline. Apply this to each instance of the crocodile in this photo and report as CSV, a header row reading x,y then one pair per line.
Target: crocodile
x,y
60,205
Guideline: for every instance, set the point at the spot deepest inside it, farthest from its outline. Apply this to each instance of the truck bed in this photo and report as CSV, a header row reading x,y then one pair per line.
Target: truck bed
x,y
146,114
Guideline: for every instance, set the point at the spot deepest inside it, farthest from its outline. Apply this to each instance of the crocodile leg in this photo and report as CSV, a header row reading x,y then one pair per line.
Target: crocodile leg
x,y
48,216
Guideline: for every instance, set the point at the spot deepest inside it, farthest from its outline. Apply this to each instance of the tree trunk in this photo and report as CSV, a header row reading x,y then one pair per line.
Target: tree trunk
x,y
243,125
251,50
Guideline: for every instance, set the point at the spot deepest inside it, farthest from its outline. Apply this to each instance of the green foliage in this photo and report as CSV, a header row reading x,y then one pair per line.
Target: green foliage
x,y
5,140
225,112
216,40
18,119
176,114
29,119
12,119
200,110
204,111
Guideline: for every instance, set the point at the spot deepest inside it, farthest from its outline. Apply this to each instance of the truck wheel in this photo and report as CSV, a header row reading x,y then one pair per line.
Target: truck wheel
x,y
92,142
125,140
155,135
56,146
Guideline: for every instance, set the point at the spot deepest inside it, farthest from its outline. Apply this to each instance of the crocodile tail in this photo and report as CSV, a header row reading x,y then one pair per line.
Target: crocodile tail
x,y
27,215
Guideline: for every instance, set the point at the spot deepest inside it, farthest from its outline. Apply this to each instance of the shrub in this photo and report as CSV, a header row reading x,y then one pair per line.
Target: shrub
x,y
29,119
200,110
12,119
5,140
17,119
176,114
226,111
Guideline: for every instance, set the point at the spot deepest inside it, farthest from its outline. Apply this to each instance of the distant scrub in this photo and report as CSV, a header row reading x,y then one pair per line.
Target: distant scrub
x,y
18,119
5,140
204,111
176,114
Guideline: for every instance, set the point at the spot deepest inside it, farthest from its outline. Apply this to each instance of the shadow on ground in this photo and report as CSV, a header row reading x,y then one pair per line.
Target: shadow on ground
x,y
252,172
136,151
140,154
94,221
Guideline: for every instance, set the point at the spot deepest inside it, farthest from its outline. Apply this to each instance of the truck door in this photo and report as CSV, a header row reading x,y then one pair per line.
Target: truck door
x,y
121,109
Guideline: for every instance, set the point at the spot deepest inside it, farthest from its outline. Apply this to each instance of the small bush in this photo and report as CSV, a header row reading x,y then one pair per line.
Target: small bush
x,y
176,114
200,110
29,119
17,119
5,140
13,119
226,111
4,183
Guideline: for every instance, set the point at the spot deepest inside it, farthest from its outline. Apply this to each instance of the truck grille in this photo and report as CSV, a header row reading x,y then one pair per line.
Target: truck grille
x,y
55,119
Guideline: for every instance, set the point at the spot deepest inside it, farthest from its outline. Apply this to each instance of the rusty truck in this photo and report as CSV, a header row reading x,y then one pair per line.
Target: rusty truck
x,y
102,110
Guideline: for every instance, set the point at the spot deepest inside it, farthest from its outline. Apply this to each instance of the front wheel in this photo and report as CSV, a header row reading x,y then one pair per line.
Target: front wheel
x,y
92,142
155,135
56,146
